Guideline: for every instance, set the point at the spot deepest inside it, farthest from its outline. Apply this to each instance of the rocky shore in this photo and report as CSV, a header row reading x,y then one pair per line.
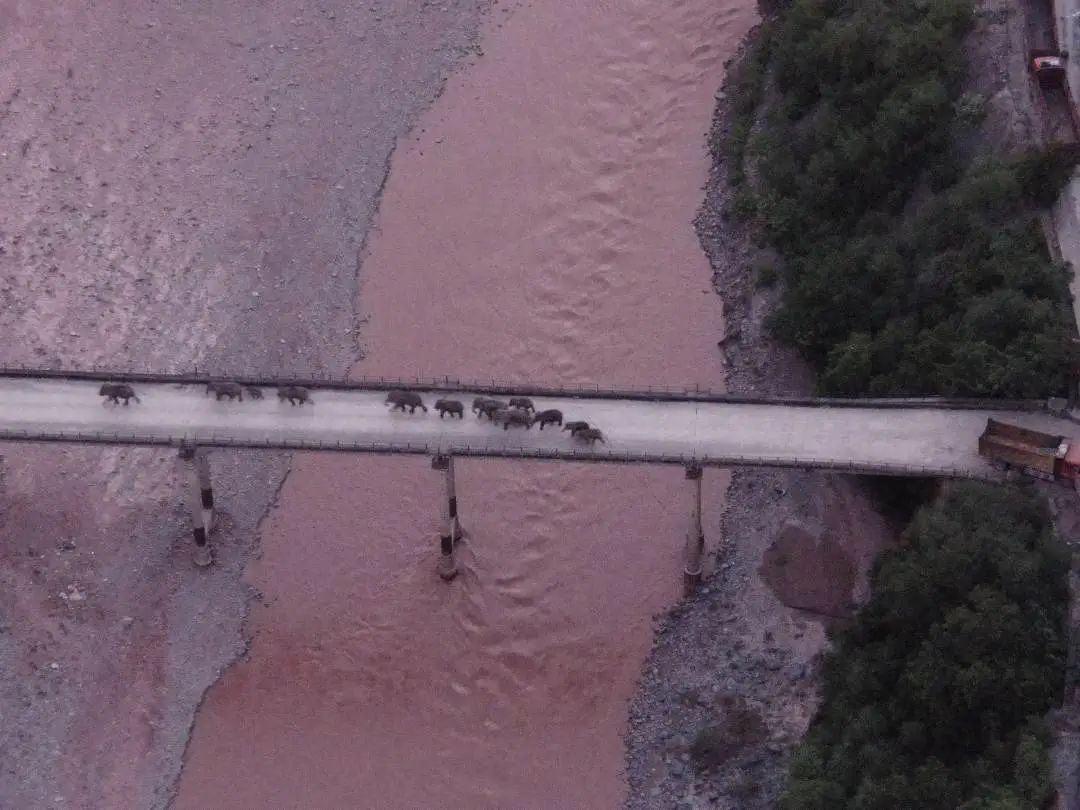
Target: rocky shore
x,y
731,683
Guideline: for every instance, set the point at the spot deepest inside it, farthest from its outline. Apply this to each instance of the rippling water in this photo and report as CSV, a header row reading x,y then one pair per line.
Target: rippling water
x,y
536,227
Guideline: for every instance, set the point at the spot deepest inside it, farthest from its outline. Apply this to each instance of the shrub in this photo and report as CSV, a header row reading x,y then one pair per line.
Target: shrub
x,y
744,786
744,88
766,275
970,109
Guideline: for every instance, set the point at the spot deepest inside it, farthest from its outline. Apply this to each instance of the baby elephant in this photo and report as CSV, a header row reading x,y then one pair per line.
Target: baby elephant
x,y
548,417
296,394
405,399
590,436
488,407
450,406
522,402
114,392
575,427
253,392
229,390
512,416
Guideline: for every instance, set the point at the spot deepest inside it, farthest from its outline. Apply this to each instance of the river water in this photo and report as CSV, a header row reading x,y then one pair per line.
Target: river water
x,y
535,227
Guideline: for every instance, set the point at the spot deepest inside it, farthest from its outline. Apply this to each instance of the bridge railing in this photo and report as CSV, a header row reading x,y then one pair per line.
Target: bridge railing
x,y
607,456
691,393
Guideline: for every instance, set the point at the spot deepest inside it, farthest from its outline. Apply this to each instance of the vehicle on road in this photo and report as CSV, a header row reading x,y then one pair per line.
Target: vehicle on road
x,y
1041,455
1048,68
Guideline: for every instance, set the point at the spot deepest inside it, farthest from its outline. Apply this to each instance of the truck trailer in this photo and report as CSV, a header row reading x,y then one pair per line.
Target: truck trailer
x,y
1042,455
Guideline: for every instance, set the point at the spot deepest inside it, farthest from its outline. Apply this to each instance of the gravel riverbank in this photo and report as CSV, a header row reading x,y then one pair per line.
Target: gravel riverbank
x,y
184,186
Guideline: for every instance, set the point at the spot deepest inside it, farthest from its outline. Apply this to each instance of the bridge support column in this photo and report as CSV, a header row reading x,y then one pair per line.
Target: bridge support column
x,y
695,536
451,531
200,499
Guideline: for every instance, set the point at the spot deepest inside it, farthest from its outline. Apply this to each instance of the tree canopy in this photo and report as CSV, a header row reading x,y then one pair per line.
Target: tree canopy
x,y
910,268
932,696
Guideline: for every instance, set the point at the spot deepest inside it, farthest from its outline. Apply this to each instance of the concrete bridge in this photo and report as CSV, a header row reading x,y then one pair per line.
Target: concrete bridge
x,y
690,428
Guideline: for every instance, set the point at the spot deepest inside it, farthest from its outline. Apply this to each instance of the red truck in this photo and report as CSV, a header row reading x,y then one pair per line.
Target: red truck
x,y
1048,68
1042,455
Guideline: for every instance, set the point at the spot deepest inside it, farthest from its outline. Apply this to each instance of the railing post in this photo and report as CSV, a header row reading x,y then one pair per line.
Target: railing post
x,y
695,536
200,500
451,527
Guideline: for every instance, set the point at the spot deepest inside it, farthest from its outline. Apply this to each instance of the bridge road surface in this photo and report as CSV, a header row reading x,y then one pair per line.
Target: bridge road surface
x,y
898,441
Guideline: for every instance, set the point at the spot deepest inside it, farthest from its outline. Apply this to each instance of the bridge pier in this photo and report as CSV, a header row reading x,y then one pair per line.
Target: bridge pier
x,y
695,536
451,531
200,500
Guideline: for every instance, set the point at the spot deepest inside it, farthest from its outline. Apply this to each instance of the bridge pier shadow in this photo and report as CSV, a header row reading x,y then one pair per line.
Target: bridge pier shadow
x,y
695,535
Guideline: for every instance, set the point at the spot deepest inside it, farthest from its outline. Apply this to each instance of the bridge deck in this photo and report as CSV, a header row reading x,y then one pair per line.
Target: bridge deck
x,y
860,439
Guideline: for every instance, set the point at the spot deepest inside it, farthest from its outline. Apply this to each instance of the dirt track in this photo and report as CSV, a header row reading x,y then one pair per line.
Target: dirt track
x,y
182,185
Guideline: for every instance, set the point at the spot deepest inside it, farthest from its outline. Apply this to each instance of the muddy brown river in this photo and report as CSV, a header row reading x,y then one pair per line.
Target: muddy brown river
x,y
536,226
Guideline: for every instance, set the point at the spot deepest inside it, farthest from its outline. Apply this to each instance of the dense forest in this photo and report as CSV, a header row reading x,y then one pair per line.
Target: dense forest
x,y
910,266
914,265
